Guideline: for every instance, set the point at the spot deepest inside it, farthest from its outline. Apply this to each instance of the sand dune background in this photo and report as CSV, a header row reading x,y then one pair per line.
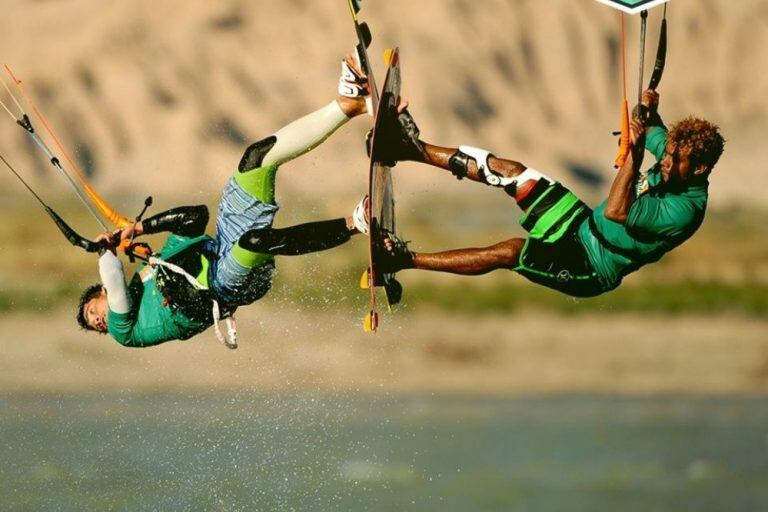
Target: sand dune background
x,y
161,97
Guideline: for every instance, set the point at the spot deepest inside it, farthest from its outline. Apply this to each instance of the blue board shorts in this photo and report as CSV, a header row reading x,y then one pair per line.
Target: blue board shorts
x,y
233,283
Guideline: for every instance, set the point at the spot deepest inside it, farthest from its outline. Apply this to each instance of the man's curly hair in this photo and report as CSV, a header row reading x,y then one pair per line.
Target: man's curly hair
x,y
90,293
703,137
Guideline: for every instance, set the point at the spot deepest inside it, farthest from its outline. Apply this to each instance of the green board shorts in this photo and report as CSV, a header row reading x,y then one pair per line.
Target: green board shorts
x,y
553,256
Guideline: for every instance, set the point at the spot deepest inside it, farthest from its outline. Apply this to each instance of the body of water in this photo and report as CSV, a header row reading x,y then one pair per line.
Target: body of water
x,y
303,452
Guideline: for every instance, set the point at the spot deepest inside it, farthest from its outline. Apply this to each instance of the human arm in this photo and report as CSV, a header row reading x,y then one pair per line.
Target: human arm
x,y
655,130
622,193
120,319
184,220
647,131
113,280
648,110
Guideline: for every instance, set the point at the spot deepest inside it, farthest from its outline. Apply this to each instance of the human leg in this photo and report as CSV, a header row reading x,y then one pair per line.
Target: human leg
x,y
309,131
467,261
404,143
471,261
257,168
256,173
299,239
552,256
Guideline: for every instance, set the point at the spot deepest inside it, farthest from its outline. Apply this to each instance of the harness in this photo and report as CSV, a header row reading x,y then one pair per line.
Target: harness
x,y
230,340
604,241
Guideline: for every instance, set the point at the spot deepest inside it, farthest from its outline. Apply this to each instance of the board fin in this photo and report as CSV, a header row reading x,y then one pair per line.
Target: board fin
x,y
394,291
365,279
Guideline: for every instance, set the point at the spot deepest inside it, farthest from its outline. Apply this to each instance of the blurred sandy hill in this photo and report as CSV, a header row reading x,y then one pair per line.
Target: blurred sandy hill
x,y
162,97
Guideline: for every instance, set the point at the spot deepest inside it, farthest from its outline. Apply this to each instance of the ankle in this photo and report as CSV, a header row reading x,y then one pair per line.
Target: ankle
x,y
422,155
352,107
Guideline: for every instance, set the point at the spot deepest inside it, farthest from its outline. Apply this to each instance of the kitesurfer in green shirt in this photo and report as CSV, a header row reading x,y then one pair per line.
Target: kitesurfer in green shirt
x,y
197,279
571,247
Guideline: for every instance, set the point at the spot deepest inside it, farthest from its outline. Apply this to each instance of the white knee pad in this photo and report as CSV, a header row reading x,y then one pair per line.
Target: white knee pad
x,y
494,179
481,157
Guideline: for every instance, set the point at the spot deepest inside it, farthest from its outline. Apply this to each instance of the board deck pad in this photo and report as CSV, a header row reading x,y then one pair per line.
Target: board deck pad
x,y
632,6
381,191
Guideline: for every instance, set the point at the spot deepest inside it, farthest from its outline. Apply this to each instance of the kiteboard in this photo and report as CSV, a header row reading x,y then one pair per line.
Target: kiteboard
x,y
381,195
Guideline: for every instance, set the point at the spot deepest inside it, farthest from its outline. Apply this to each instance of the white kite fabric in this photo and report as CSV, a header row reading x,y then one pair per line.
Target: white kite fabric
x,y
632,6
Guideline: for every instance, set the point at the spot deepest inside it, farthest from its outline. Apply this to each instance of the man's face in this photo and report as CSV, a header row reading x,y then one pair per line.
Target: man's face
x,y
676,165
95,312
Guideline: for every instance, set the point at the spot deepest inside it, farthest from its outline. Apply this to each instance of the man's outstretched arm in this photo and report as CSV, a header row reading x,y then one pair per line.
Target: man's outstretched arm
x,y
113,280
184,220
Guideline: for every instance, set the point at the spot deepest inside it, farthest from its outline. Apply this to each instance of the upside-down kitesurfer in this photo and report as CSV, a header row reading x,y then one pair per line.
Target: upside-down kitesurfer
x,y
195,278
572,248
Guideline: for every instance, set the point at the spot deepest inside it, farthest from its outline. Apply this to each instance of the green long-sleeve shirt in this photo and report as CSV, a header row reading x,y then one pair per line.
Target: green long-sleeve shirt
x,y
152,320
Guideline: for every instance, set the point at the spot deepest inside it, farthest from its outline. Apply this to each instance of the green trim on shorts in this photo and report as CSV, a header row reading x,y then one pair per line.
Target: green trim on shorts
x,y
202,277
549,275
552,215
566,225
259,182
532,208
250,259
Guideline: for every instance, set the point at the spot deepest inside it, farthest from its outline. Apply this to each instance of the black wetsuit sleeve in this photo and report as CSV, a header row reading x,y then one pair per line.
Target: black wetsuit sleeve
x,y
184,220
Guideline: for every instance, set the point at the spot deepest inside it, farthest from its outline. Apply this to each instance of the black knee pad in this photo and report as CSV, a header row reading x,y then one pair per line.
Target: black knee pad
x,y
458,164
254,155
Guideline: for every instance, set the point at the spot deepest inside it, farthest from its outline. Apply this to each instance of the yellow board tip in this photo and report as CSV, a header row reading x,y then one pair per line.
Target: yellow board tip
x,y
388,53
